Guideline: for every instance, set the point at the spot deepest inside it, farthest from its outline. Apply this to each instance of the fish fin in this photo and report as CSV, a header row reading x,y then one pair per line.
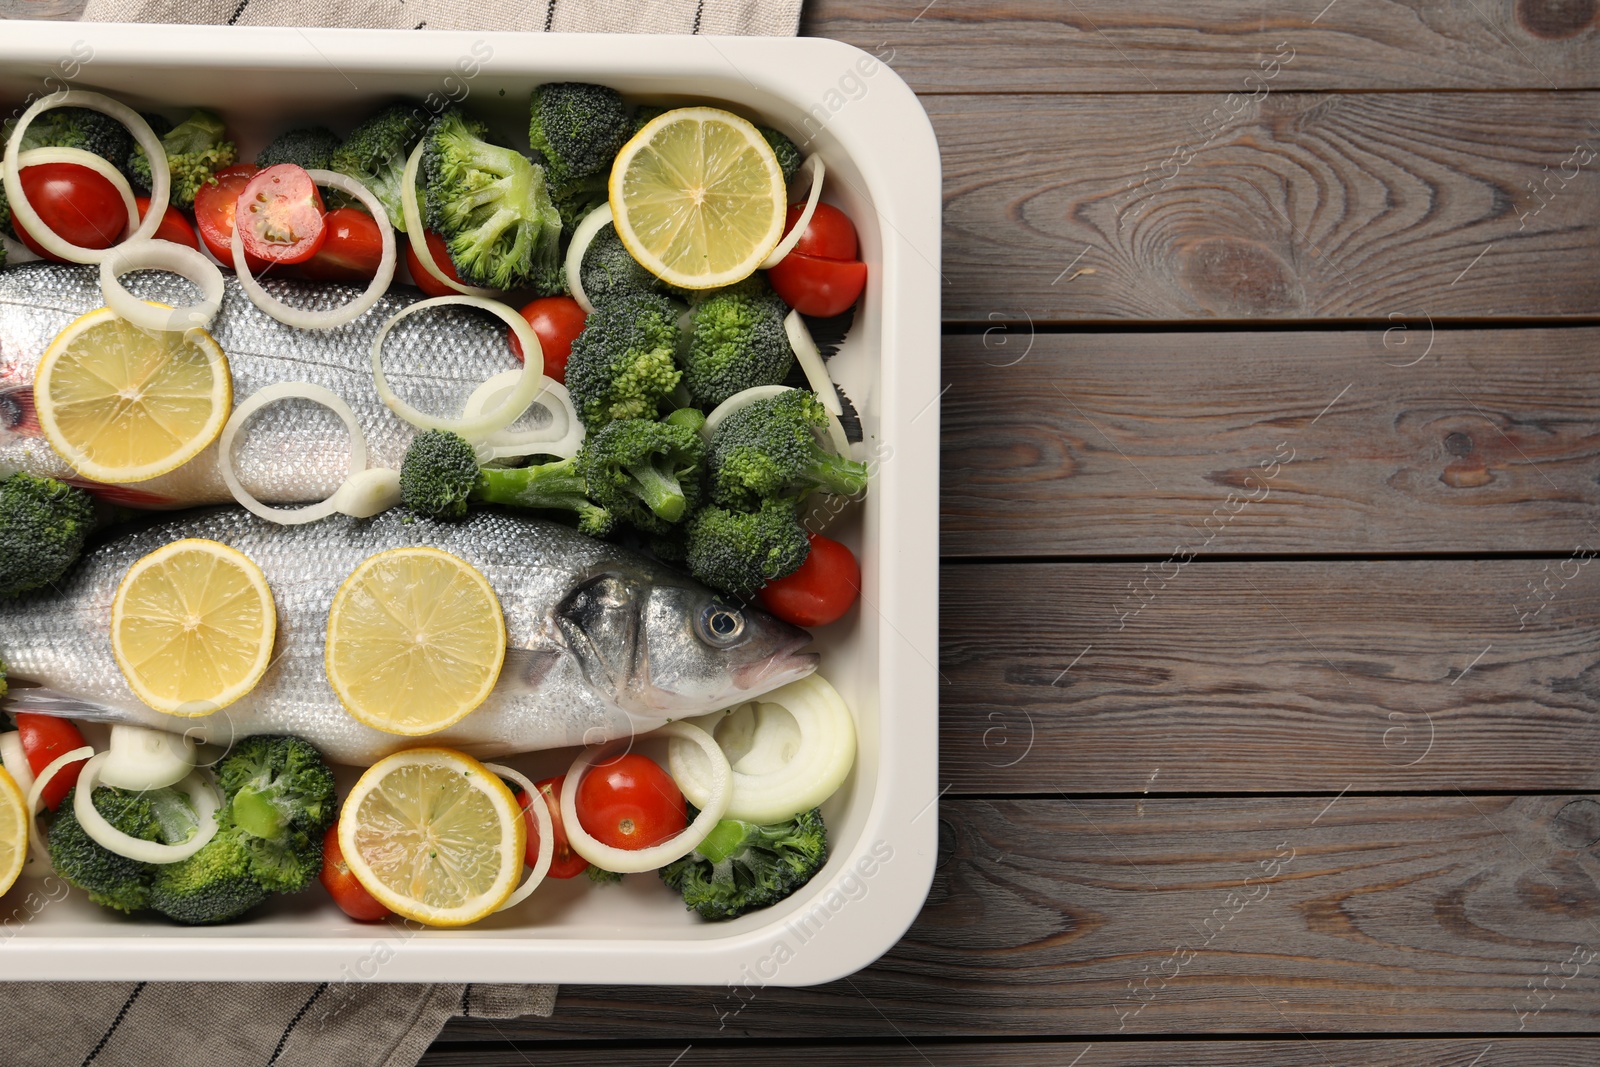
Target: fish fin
x,y
17,412
41,701
524,669
123,495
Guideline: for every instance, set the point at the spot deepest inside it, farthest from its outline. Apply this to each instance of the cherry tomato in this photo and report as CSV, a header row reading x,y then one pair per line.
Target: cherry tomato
x,y
565,863
46,738
213,214
352,250
341,884
174,227
557,320
419,274
77,204
630,802
818,287
281,211
831,234
821,591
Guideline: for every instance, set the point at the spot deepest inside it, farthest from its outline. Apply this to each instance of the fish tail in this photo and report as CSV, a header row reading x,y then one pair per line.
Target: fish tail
x,y
41,701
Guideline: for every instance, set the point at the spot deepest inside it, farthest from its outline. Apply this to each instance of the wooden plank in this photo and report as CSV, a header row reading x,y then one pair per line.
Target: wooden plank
x,y
1054,917
1213,45
42,9
1301,206
1398,438
1275,677
1316,1051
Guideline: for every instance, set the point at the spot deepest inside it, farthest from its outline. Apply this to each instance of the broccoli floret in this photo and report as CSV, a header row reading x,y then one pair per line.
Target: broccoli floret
x,y
738,552
75,127
741,866
609,269
196,149
112,881
601,876
216,884
771,449
281,799
645,114
576,199
375,155
737,342
492,208
789,157
623,364
43,525
643,471
578,128
311,148
440,477
689,418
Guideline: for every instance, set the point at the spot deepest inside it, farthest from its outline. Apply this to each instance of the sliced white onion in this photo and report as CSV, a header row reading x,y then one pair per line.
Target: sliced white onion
x,y
582,236
140,758
813,166
633,861
15,761
36,841
160,181
775,778
200,791
325,320
269,395
478,427
741,400
161,255
99,164
368,493
547,833
810,359
563,437
417,234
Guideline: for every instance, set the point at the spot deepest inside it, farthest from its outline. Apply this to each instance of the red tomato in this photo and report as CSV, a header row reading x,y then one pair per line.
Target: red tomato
x,y
280,212
174,227
831,234
46,738
629,802
419,274
822,590
341,884
565,863
213,213
352,251
77,204
557,320
818,287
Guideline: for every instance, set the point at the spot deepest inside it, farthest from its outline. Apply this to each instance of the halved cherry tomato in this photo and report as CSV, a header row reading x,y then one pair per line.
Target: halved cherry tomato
x,y
557,320
77,204
280,213
821,591
174,227
818,287
340,882
352,250
565,862
419,274
630,802
213,213
831,234
45,739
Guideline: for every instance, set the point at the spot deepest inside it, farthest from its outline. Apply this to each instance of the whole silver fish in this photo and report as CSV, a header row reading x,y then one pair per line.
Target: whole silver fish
x,y
291,452
600,642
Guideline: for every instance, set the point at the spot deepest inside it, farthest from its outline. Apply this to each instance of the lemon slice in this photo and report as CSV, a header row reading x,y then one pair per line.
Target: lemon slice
x,y
13,831
434,836
192,627
121,404
415,641
698,197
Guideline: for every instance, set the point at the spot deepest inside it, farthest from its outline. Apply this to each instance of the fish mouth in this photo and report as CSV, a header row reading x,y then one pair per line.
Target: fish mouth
x,y
786,665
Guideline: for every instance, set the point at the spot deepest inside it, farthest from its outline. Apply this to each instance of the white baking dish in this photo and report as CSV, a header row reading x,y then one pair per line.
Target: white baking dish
x,y
883,169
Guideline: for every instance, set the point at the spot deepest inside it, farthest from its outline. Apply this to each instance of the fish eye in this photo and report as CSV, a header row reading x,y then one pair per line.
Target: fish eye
x,y
720,625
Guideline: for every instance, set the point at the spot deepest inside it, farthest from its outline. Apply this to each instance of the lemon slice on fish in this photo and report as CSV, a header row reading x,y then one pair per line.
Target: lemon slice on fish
x,y
13,831
698,197
415,641
192,627
434,836
122,404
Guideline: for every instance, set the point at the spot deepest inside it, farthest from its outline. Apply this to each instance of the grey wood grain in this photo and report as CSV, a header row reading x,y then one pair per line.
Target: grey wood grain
x,y
41,9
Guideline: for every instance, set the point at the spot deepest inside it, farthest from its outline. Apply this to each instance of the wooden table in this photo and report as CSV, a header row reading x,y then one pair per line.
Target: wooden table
x,y
1271,652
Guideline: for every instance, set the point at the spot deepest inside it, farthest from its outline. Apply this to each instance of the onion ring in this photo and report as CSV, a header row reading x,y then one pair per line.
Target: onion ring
x,y
476,427
814,166
417,234
514,444
78,157
161,255
810,360
15,761
202,794
325,320
36,841
260,399
581,238
547,833
630,860
160,180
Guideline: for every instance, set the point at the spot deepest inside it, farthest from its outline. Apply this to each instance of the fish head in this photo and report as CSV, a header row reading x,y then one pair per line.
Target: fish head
x,y
666,646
